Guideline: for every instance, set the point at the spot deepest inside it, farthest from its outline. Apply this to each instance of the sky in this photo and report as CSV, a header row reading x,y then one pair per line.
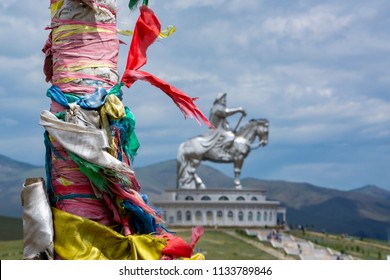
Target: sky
x,y
317,70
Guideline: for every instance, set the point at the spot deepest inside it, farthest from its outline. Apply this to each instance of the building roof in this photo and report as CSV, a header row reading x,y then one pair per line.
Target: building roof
x,y
217,191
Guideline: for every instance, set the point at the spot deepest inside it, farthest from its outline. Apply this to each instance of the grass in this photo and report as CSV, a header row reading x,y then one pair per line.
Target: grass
x,y
360,249
11,250
217,245
214,244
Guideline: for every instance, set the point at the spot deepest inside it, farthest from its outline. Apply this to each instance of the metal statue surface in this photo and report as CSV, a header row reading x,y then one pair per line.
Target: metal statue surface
x,y
220,144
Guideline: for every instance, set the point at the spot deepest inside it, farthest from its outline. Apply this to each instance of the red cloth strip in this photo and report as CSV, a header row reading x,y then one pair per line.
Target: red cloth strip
x,y
146,32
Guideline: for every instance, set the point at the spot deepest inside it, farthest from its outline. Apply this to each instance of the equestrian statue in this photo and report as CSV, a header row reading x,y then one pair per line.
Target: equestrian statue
x,y
219,144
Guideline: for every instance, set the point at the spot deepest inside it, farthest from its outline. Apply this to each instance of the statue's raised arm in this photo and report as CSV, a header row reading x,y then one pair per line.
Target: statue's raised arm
x,y
219,112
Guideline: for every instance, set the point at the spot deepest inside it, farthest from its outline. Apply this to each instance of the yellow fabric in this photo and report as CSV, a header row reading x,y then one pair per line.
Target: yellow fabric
x,y
125,32
73,29
196,257
64,182
163,34
167,31
55,7
83,64
77,238
66,80
112,109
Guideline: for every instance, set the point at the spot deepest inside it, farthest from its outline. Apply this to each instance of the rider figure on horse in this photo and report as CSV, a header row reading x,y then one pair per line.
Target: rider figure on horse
x,y
220,144
218,118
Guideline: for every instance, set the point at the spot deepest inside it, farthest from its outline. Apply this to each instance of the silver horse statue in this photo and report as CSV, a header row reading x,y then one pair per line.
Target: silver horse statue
x,y
219,144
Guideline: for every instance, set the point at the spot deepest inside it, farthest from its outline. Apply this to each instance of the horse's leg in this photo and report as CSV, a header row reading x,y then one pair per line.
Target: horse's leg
x,y
185,169
198,181
181,164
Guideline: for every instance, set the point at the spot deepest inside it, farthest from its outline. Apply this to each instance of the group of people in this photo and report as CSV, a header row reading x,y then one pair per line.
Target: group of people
x,y
275,235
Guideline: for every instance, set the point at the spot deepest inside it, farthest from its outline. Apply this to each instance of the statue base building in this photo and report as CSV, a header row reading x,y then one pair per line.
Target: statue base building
x,y
220,207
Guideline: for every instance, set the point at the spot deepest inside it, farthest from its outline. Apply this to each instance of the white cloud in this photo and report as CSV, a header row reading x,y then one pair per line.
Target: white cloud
x,y
22,34
188,4
317,23
307,105
239,6
307,92
23,79
31,65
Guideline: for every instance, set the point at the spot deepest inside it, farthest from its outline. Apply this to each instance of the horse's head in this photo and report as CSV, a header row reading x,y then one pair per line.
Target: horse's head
x,y
262,128
255,128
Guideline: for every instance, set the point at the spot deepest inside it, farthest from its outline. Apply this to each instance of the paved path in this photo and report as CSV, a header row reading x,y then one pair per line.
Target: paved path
x,y
293,246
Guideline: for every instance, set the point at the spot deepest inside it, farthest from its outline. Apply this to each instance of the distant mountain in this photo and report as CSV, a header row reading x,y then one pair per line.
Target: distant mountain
x,y
374,191
372,201
363,212
12,170
12,176
360,212
161,176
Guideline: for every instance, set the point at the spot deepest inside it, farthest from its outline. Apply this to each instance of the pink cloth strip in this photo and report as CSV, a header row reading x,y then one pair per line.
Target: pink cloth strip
x,y
68,180
76,53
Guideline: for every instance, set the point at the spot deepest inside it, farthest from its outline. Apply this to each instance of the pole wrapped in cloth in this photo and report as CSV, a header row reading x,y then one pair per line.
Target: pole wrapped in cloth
x,y
98,209
81,57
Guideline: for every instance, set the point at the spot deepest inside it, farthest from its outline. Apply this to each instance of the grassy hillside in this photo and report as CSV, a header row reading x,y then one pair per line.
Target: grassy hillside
x,y
11,250
217,245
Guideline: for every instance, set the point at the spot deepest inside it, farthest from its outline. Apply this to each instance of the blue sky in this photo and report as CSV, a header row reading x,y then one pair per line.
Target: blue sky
x,y
318,70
